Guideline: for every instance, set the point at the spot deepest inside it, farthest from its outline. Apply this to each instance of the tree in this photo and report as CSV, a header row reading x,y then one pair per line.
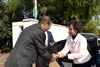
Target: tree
x,y
64,11
9,12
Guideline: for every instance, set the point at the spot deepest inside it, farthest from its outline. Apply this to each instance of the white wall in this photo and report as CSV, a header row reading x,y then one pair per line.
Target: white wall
x,y
16,30
59,32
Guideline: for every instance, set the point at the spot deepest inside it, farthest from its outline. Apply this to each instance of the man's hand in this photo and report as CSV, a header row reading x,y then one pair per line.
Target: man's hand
x,y
51,43
54,56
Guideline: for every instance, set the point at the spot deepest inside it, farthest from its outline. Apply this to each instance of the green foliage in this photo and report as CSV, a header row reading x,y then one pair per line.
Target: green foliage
x,y
13,5
6,49
91,27
9,12
67,10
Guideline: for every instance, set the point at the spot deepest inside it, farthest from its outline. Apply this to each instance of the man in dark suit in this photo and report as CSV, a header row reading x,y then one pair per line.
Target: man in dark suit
x,y
30,45
49,42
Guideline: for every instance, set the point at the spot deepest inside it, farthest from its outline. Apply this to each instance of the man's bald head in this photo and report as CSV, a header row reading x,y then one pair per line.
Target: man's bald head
x,y
45,22
45,19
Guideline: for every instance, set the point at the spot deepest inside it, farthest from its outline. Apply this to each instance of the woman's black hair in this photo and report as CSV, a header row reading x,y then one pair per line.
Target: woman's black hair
x,y
76,25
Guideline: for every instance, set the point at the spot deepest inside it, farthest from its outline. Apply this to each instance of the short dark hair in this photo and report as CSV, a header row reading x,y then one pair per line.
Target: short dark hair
x,y
44,19
76,25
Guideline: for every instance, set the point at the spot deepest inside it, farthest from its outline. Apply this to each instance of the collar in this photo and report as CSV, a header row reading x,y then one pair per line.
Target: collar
x,y
76,38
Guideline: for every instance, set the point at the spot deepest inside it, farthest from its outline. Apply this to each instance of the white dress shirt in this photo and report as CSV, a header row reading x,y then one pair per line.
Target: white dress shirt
x,y
78,48
46,39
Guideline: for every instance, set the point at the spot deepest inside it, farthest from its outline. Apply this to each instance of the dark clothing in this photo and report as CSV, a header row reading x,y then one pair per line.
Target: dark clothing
x,y
50,38
87,64
29,46
42,62
73,37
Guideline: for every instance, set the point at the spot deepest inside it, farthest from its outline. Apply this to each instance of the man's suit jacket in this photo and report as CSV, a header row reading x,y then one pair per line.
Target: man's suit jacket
x,y
50,38
29,45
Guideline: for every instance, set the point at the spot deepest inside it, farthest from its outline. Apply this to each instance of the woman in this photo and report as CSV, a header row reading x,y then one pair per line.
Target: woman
x,y
76,47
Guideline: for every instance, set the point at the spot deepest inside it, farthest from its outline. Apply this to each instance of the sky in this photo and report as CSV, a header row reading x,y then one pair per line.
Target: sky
x,y
5,0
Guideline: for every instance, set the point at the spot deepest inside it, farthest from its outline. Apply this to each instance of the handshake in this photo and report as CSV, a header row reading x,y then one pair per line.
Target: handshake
x,y
58,55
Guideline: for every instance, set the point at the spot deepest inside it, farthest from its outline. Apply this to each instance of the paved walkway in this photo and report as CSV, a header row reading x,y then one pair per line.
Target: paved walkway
x,y
3,58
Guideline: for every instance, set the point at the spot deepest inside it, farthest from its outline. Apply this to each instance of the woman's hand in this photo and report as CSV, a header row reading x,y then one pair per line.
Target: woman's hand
x,y
60,55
